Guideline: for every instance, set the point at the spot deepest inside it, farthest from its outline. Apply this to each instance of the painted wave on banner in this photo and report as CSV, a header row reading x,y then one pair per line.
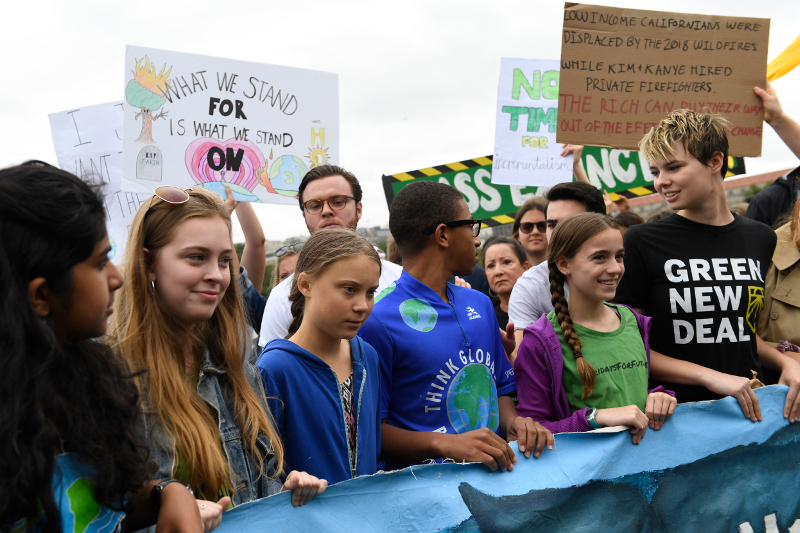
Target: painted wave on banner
x,y
708,469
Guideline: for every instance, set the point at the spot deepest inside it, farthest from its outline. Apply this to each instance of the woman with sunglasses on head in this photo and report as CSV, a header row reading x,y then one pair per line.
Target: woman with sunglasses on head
x,y
180,320
70,456
285,262
530,230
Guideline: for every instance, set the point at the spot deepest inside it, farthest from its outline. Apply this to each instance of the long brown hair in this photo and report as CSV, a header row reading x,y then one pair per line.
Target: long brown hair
x,y
145,336
321,250
567,238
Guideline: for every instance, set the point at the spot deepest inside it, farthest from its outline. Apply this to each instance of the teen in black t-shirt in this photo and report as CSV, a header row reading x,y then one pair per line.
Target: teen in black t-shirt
x,y
700,272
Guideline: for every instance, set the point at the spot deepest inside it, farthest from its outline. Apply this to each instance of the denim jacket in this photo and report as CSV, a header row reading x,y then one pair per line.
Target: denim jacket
x,y
212,386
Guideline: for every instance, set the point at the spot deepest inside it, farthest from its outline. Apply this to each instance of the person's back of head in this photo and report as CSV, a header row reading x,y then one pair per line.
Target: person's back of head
x,y
416,209
57,379
658,215
585,193
628,219
701,134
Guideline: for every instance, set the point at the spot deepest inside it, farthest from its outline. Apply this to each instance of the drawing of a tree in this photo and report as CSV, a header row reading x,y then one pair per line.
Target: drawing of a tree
x,y
146,91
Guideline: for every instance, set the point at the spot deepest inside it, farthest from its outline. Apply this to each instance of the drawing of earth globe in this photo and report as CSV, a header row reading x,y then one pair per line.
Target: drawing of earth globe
x,y
113,253
472,400
240,194
286,173
418,314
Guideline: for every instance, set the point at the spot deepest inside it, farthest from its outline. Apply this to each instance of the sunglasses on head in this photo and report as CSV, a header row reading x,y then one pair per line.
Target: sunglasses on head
x,y
527,227
170,194
294,247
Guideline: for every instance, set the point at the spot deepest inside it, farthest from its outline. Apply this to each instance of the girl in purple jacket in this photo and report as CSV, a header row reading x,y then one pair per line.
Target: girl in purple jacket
x,y
585,365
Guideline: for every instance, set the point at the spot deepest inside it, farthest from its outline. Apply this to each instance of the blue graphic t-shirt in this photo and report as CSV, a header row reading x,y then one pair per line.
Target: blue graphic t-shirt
x,y
442,363
73,491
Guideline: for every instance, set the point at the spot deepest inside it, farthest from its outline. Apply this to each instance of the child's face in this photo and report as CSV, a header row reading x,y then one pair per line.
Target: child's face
x,y
83,313
192,271
340,299
597,268
684,181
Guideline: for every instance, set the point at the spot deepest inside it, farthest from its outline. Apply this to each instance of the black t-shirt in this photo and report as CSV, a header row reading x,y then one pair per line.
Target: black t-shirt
x,y
704,287
502,316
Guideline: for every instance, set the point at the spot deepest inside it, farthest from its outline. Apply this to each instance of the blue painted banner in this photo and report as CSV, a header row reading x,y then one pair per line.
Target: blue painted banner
x,y
709,469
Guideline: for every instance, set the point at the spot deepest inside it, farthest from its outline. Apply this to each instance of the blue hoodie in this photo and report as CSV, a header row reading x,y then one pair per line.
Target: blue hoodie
x,y
305,401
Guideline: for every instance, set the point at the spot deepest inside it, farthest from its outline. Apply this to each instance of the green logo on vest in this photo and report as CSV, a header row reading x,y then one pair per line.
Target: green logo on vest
x,y
418,314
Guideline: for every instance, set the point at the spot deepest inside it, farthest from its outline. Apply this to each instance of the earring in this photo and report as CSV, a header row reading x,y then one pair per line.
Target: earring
x,y
153,285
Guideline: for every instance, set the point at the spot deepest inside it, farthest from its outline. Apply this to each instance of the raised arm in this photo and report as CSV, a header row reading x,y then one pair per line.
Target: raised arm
x,y
784,125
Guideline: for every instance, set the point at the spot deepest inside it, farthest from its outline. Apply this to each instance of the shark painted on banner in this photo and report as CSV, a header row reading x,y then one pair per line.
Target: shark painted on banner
x,y
708,469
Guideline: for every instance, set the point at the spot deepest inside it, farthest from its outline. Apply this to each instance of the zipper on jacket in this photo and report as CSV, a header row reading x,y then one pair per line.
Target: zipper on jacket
x,y
344,423
358,417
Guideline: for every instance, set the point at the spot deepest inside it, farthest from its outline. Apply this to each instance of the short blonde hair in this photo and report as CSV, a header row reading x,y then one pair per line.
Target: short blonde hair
x,y
702,135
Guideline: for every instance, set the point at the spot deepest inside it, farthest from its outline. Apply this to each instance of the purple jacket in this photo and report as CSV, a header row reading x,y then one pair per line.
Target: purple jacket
x,y
538,369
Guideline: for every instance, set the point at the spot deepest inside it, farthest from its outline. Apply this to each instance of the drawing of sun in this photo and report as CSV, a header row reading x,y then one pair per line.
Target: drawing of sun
x,y
317,156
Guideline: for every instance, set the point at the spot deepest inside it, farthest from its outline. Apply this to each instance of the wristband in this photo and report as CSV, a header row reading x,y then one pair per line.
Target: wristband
x,y
591,413
155,492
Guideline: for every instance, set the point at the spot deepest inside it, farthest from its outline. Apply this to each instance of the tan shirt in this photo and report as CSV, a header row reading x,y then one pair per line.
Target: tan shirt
x,y
780,318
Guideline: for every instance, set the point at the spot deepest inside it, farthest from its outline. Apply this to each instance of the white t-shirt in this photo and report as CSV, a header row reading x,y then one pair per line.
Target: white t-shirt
x,y
531,296
278,311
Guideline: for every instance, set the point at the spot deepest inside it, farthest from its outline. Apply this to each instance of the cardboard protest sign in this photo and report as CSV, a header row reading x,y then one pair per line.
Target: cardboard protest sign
x,y
623,70
627,172
88,143
198,120
525,148
739,476
494,204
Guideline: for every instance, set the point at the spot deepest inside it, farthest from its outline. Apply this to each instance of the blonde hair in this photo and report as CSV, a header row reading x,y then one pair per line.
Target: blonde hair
x,y
702,135
144,335
567,238
321,250
795,224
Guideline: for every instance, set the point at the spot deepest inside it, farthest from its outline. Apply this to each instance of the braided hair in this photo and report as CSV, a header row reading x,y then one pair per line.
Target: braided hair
x,y
565,241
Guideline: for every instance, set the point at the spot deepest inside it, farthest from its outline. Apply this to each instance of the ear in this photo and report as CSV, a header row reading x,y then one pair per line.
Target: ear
x,y
442,236
526,265
358,210
304,284
562,263
38,293
148,260
715,163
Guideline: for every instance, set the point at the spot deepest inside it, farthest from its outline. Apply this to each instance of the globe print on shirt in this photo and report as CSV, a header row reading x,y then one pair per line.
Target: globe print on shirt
x,y
472,400
418,314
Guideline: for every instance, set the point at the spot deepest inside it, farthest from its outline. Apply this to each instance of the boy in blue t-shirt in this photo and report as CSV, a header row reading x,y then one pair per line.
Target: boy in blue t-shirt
x,y
446,383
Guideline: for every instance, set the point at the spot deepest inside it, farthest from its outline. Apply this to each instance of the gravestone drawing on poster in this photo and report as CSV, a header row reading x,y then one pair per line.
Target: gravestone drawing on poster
x,y
192,120
88,143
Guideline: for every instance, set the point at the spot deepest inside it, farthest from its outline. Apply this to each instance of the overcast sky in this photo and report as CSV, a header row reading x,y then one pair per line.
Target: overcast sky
x,y
417,79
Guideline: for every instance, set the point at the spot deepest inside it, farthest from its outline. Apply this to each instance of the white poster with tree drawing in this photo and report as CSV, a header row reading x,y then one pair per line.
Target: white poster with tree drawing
x,y
193,120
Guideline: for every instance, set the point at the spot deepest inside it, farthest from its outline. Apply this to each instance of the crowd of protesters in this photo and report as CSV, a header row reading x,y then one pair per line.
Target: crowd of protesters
x,y
179,391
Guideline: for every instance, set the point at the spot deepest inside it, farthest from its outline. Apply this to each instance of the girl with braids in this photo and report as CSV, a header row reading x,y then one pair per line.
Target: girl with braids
x,y
181,321
585,364
324,381
70,458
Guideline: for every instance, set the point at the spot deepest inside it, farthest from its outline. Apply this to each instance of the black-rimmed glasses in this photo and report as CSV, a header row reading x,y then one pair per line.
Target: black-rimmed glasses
x,y
336,203
476,226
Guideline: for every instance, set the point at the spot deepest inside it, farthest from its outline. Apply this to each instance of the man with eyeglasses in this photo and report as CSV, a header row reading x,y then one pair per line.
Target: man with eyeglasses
x,y
531,296
330,197
446,383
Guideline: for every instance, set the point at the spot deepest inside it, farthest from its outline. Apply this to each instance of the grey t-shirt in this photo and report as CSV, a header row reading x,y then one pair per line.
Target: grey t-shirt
x,y
531,297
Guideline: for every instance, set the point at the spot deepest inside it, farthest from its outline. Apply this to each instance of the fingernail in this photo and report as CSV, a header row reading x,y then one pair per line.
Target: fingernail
x,y
522,448
549,446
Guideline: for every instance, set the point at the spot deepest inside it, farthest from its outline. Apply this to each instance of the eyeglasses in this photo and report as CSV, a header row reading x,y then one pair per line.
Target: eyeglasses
x,y
476,225
336,203
527,227
294,247
170,194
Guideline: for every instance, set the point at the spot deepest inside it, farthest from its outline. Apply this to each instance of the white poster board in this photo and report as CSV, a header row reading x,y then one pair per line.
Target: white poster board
x,y
88,143
525,148
196,120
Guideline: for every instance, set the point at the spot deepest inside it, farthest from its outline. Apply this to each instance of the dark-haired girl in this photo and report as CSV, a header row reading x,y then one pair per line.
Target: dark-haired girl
x,y
585,365
69,455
